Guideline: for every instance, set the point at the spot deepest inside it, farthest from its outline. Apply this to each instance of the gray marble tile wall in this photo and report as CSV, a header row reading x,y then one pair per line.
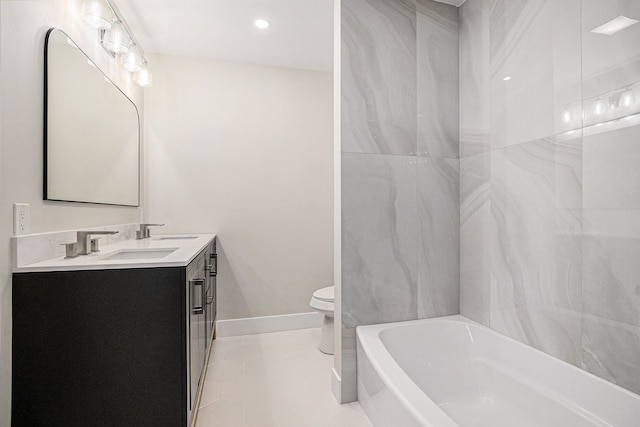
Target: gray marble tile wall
x,y
379,239
549,191
400,167
437,80
378,72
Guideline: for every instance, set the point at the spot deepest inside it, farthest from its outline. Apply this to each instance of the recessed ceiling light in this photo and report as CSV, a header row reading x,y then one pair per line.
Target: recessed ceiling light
x,y
615,25
261,23
506,79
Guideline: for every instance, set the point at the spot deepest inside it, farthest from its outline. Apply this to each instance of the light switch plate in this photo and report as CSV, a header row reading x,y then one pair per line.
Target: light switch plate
x,y
20,219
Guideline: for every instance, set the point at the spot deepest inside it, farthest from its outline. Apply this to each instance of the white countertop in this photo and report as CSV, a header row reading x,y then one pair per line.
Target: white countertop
x,y
186,250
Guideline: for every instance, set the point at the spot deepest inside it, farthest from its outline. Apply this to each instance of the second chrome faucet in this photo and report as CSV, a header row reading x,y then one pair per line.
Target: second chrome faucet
x,y
84,240
144,231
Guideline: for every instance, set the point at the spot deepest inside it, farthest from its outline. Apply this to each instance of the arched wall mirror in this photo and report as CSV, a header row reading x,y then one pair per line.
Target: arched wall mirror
x,y
91,130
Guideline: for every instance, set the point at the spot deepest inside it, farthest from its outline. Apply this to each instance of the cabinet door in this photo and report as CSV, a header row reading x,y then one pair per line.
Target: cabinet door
x,y
99,348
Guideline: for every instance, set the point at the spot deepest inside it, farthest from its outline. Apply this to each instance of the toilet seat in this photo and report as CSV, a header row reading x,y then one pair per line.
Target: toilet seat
x,y
322,300
324,294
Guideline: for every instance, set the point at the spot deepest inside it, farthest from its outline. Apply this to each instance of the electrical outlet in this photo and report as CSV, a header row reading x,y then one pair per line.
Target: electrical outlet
x,y
20,219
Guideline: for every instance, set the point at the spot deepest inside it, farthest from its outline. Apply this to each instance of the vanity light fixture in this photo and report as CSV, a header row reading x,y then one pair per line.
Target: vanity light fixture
x,y
609,107
262,23
96,14
615,25
117,38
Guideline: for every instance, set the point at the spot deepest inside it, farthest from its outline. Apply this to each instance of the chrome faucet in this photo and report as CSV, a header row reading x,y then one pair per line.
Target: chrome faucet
x,y
84,241
144,232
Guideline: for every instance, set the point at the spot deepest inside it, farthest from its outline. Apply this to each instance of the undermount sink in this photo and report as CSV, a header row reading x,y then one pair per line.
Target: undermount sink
x,y
146,253
176,237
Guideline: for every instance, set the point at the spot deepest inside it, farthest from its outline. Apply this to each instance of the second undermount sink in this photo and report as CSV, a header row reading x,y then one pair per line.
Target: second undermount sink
x,y
140,254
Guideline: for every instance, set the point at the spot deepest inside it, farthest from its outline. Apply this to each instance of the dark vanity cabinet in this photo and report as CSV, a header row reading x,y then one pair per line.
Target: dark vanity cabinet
x,y
113,347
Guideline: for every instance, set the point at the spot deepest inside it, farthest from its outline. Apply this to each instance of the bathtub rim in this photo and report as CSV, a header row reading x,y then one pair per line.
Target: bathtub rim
x,y
413,398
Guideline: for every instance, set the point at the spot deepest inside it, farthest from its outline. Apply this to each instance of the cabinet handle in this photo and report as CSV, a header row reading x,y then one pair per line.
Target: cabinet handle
x,y
197,298
213,267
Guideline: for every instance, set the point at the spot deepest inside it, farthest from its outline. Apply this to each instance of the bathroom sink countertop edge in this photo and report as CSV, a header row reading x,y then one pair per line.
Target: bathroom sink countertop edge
x,y
181,251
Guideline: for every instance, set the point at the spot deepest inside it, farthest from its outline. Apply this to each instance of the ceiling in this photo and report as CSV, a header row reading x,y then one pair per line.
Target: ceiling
x,y
301,33
300,36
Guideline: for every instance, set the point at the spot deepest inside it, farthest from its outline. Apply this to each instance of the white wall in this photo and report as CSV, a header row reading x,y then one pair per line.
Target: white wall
x,y
22,31
246,151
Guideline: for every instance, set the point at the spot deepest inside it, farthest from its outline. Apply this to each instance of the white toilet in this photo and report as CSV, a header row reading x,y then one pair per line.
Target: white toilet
x,y
322,300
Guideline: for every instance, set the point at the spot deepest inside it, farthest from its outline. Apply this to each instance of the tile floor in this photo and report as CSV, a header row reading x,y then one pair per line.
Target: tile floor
x,y
279,379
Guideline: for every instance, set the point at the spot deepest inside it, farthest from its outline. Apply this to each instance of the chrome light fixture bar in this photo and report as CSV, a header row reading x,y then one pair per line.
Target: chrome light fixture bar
x,y
117,38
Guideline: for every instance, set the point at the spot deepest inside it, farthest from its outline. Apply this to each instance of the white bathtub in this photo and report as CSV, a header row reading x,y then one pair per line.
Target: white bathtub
x,y
451,371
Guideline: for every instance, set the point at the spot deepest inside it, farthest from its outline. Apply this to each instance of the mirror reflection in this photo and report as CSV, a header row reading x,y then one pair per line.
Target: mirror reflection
x,y
91,130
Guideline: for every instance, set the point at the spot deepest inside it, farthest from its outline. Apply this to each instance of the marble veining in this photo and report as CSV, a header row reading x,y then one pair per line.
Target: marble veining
x,y
379,76
521,244
379,229
538,239
476,230
438,237
610,284
611,250
550,204
610,350
612,175
475,126
537,44
437,79
552,330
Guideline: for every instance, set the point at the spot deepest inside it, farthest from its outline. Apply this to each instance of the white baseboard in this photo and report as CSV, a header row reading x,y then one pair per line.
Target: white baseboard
x,y
260,325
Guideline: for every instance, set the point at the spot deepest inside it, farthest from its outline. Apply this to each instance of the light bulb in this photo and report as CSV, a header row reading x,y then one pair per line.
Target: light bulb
x,y
143,77
627,98
600,106
131,61
566,115
116,39
96,14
